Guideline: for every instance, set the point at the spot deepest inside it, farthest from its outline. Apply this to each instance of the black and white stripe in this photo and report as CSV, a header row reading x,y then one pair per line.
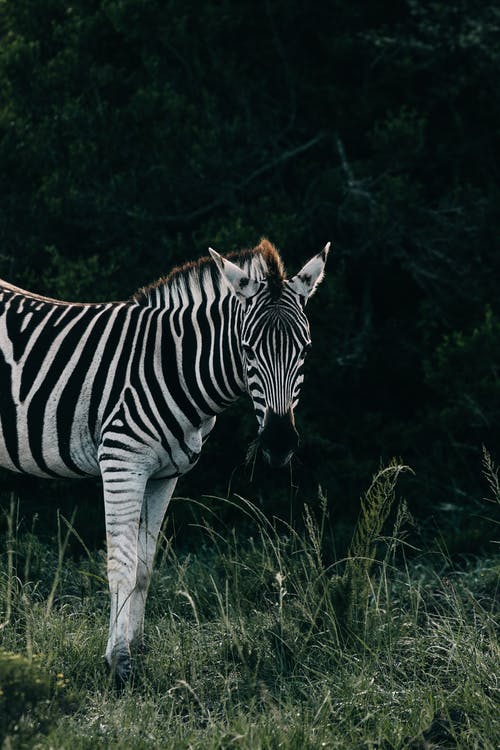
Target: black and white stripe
x,y
130,390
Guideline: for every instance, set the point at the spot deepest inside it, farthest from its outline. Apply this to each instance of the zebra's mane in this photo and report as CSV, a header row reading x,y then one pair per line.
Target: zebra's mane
x,y
262,262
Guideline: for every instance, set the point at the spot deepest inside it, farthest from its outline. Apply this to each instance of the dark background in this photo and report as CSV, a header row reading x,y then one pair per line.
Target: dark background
x,y
134,134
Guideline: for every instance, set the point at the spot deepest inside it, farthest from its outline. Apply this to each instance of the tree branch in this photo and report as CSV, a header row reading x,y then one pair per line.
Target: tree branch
x,y
225,198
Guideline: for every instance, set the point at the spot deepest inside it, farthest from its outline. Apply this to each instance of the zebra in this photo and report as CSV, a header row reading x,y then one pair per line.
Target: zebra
x,y
131,390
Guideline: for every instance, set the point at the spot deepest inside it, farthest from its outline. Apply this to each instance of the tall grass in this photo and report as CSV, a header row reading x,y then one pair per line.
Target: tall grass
x,y
262,641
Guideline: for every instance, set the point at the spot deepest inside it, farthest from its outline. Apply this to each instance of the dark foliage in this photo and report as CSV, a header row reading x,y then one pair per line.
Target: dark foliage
x,y
133,135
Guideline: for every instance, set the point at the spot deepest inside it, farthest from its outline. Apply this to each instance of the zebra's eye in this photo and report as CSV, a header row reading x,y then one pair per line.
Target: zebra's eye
x,y
307,348
249,352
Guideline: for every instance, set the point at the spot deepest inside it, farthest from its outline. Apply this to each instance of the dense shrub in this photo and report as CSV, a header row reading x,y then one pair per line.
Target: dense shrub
x,y
30,697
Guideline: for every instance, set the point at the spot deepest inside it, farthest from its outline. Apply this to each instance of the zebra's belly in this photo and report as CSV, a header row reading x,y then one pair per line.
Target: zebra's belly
x,y
42,454
54,466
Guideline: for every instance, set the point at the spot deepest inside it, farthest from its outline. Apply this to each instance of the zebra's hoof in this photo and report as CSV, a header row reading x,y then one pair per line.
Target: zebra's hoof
x,y
120,666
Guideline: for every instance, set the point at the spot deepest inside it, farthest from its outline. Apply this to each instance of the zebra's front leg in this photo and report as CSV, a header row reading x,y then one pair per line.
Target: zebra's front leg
x,y
156,499
123,498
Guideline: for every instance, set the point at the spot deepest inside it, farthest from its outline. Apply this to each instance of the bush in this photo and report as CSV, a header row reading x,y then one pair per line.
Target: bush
x,y
30,697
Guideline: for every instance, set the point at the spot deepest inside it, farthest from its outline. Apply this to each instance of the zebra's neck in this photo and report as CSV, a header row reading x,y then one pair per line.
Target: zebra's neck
x,y
205,319
204,322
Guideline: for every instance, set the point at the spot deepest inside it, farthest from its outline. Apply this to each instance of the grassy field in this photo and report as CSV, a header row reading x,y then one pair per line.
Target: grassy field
x,y
261,640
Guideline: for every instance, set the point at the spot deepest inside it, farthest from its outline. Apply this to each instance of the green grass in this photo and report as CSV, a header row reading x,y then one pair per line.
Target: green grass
x,y
260,640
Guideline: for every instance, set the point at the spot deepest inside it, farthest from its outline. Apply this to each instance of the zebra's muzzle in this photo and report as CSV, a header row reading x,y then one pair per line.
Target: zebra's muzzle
x,y
278,438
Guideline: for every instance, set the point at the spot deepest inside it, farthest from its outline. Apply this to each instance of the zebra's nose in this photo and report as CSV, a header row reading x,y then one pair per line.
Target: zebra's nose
x,y
278,438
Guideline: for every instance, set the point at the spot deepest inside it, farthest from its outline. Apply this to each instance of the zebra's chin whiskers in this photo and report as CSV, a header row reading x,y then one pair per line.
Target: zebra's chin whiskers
x,y
270,459
278,438
277,462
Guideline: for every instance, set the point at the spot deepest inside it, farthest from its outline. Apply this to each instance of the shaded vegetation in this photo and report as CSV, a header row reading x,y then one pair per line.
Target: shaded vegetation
x,y
30,697
133,135
259,643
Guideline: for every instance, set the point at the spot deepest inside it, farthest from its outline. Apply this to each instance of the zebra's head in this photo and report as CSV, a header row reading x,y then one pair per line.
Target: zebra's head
x,y
274,341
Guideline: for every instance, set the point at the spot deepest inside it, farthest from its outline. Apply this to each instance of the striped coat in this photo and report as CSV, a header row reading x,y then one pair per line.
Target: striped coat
x,y
131,390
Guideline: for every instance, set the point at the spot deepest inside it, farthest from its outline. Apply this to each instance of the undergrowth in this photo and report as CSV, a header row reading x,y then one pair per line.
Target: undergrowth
x,y
261,641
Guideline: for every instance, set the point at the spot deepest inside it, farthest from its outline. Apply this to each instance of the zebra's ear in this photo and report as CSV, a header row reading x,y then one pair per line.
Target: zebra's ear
x,y
242,285
306,281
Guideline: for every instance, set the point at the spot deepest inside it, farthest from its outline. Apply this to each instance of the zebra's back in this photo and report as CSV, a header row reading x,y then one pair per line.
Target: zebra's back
x,y
57,369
